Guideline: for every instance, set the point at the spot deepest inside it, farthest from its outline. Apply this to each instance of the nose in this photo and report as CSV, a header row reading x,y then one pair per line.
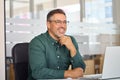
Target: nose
x,y
62,24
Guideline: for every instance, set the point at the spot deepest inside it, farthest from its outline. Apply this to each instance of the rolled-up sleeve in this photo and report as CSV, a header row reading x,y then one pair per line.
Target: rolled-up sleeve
x,y
77,60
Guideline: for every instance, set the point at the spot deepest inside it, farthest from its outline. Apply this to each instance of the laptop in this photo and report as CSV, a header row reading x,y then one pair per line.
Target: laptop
x,y
111,66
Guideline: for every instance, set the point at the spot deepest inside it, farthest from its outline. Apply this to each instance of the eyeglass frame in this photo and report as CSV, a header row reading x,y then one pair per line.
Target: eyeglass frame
x,y
59,21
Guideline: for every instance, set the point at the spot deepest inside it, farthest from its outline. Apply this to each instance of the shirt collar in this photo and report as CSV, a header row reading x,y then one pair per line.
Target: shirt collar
x,y
50,38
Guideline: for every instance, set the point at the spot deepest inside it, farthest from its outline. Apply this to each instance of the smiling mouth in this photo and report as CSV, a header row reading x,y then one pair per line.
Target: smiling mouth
x,y
61,30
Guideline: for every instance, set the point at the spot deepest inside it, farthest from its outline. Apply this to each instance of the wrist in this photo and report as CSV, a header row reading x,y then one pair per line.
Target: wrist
x,y
73,52
67,74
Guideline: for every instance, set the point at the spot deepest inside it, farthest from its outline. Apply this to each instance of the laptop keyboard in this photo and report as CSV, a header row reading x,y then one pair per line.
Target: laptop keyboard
x,y
93,76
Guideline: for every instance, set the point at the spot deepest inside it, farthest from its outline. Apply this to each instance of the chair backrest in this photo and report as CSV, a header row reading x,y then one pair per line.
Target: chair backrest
x,y
20,60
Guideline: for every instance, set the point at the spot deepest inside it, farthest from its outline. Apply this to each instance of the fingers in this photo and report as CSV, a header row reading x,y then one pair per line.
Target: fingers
x,y
66,40
63,40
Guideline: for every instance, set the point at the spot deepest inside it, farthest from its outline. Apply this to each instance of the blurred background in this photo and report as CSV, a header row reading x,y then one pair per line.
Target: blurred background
x,y
94,23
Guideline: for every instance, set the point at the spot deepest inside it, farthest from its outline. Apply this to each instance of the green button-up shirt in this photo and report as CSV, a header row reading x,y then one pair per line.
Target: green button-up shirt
x,y
49,60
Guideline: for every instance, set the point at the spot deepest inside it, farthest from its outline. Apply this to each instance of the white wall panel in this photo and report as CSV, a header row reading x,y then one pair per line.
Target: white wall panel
x,y
91,38
19,37
22,30
2,42
9,47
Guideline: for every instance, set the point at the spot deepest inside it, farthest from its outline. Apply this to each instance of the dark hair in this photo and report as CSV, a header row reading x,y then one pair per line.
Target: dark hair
x,y
55,11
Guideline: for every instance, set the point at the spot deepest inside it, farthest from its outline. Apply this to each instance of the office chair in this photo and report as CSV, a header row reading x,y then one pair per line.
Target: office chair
x,y
20,61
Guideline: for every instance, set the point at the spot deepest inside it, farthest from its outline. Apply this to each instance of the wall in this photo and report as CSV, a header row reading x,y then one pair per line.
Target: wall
x,y
116,12
2,51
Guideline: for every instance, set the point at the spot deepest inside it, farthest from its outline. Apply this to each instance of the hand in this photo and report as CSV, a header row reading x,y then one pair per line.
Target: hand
x,y
75,73
66,40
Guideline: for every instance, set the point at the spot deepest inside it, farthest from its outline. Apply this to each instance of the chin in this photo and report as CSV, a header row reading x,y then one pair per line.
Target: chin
x,y
61,35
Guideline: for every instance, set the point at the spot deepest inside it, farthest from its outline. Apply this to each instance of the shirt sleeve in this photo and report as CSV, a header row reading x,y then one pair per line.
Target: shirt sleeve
x,y
38,63
77,60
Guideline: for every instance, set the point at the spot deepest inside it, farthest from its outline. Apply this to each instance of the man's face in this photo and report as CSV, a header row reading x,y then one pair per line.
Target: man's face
x,y
57,26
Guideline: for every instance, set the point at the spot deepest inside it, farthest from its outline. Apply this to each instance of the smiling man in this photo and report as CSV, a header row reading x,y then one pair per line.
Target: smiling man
x,y
51,53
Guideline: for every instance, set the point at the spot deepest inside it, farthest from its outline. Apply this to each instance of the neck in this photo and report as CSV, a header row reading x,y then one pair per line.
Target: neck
x,y
55,38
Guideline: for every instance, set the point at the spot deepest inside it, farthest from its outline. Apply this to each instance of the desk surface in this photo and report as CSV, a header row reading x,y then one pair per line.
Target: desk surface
x,y
97,79
86,77
80,79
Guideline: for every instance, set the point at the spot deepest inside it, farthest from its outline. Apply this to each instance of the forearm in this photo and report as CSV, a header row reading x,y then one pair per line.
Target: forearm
x,y
47,73
77,61
72,51
74,73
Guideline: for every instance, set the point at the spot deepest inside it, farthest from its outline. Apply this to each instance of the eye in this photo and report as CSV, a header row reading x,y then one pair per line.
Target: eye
x,y
58,21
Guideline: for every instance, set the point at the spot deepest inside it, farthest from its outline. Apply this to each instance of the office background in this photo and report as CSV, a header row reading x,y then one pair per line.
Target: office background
x,y
96,19
97,22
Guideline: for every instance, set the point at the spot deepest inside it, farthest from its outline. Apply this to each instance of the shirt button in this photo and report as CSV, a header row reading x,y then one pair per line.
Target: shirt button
x,y
72,61
58,56
58,67
56,42
52,43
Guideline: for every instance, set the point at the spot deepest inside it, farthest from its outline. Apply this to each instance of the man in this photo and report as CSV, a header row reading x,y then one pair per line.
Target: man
x,y
51,53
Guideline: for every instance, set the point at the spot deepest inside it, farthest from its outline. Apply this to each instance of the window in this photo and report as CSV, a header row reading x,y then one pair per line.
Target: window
x,y
108,0
98,11
108,11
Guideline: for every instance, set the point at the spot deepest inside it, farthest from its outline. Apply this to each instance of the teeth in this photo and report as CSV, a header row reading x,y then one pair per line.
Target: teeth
x,y
61,30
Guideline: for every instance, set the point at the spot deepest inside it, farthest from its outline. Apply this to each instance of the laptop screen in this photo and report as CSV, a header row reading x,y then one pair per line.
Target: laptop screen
x,y
111,67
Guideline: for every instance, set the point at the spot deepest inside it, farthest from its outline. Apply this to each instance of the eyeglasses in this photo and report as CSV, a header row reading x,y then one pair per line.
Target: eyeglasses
x,y
58,22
